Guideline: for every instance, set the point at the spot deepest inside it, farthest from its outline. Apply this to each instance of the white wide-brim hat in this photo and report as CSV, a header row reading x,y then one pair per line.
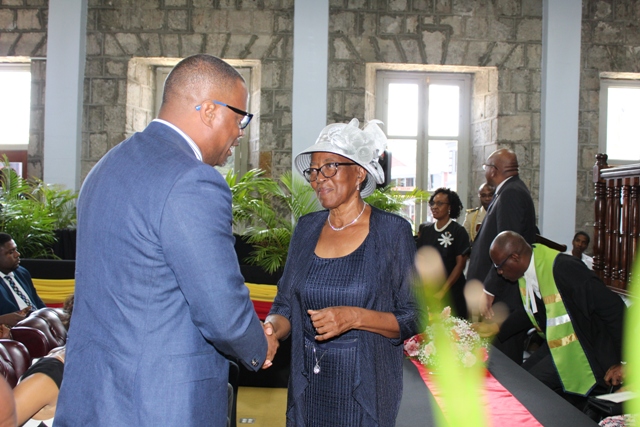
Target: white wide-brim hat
x,y
362,146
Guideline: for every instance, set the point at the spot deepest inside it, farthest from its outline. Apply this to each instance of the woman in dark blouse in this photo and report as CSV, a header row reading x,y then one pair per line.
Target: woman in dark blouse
x,y
452,242
345,295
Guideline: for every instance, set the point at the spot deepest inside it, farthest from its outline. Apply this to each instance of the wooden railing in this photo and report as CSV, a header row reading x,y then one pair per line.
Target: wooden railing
x,y
617,221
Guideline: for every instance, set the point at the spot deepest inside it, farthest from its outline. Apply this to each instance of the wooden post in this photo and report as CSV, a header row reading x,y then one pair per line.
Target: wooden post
x,y
600,209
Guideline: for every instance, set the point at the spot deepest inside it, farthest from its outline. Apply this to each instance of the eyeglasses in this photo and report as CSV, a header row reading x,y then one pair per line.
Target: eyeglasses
x,y
499,266
246,116
438,204
485,166
327,170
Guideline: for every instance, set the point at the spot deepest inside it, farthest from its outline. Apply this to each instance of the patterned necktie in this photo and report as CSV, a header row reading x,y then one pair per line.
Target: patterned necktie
x,y
17,290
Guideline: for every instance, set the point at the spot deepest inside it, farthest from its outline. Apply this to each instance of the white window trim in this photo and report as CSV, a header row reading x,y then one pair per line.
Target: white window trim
x,y
15,64
609,80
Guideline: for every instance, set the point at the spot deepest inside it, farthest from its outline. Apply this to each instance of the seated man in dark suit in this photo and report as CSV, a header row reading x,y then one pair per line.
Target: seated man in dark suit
x,y
18,296
579,318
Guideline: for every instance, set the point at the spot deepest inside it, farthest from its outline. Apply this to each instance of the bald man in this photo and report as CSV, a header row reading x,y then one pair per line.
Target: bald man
x,y
511,209
577,315
159,298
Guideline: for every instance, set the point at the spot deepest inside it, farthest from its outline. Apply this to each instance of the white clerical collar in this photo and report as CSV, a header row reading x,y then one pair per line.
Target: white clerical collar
x,y
532,287
501,184
194,147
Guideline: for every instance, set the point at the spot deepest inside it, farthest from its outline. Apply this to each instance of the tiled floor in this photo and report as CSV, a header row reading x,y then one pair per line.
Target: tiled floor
x,y
261,407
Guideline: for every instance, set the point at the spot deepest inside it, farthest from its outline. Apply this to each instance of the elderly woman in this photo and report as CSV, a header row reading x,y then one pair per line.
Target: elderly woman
x,y
345,295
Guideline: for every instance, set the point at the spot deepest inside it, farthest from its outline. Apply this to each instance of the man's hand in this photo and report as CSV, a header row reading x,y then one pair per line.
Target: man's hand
x,y
5,332
272,344
333,321
11,319
614,375
486,330
486,301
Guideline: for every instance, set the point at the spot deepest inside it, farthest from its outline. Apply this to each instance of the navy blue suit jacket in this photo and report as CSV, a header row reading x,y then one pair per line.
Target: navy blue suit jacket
x,y
159,298
8,303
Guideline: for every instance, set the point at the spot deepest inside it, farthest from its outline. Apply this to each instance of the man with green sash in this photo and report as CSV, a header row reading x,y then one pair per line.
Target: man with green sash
x,y
579,318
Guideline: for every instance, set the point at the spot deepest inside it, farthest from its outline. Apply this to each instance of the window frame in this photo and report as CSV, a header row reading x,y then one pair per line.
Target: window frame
x,y
423,79
607,82
18,66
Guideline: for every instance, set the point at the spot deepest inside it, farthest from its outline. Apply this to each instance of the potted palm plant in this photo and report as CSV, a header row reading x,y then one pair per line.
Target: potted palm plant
x,y
31,211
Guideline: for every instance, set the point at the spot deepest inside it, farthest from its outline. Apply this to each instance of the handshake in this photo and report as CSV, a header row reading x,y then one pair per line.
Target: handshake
x,y
272,344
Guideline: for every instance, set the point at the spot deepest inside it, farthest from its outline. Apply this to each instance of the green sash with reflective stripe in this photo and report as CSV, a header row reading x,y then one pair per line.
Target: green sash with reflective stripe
x,y
567,352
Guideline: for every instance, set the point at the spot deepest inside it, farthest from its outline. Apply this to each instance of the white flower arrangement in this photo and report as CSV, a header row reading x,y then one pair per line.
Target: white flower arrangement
x,y
467,343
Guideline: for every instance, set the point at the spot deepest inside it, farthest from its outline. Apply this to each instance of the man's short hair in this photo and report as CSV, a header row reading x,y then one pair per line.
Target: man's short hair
x,y
199,73
4,238
582,233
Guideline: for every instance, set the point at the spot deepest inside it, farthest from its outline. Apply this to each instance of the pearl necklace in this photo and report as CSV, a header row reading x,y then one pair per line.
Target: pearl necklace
x,y
348,225
435,225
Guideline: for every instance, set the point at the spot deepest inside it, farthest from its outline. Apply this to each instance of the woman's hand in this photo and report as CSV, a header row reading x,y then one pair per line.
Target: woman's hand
x,y
272,344
333,321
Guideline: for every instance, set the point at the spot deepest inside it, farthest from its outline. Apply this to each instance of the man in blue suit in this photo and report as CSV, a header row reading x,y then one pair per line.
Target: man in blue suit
x,y
159,299
18,296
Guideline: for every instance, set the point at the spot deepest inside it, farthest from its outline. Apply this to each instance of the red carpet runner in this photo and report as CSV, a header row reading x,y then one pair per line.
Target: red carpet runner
x,y
502,407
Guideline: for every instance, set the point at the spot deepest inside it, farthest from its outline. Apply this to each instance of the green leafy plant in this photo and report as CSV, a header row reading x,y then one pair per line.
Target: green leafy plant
x,y
266,212
31,211
390,200
59,202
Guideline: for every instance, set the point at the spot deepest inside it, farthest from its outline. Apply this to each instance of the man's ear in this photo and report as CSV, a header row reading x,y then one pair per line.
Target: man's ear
x,y
208,112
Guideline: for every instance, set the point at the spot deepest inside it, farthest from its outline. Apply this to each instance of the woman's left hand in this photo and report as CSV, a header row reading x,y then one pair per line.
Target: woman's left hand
x,y
333,321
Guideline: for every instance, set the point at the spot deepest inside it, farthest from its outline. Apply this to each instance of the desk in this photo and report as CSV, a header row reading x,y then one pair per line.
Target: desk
x,y
418,405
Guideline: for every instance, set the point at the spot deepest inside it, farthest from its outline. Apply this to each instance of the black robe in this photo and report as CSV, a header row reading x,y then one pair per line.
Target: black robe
x,y
596,313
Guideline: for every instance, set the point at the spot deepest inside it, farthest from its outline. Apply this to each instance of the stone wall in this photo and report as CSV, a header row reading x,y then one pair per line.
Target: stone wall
x,y
502,35
118,31
610,43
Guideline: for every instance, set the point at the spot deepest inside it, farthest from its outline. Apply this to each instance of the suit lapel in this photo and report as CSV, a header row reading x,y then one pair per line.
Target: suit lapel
x,y
7,296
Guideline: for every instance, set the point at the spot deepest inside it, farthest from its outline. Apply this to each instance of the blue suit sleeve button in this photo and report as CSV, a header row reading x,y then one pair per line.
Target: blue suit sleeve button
x,y
254,362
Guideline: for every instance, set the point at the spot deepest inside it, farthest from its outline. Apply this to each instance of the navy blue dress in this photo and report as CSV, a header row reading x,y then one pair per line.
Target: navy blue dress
x,y
359,382
332,282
